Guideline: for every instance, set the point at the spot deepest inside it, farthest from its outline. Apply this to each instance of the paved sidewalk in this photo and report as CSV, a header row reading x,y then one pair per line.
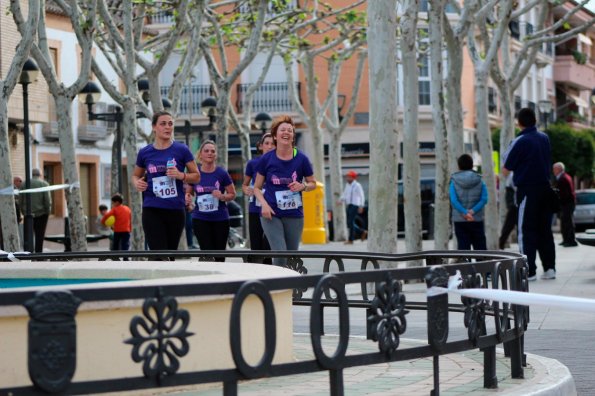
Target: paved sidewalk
x,y
460,374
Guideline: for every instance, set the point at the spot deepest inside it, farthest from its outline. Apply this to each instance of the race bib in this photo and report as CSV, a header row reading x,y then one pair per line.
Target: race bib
x,y
207,203
287,199
165,187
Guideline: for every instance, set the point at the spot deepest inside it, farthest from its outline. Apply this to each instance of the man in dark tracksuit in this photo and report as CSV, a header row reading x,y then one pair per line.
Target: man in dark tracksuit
x,y
529,156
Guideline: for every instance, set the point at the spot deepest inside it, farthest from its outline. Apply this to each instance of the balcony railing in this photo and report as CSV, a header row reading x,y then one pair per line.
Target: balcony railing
x,y
191,98
91,133
270,97
162,18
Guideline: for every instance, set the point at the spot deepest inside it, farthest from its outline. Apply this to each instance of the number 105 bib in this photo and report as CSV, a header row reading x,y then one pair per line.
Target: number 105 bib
x,y
164,187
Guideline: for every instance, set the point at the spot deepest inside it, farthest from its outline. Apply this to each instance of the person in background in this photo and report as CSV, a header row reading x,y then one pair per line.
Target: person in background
x,y
102,229
123,224
210,217
160,174
512,212
283,172
354,199
188,227
258,240
529,156
468,196
565,187
41,205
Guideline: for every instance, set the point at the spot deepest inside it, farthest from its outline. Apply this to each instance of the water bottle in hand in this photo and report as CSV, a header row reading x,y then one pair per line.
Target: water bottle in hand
x,y
171,163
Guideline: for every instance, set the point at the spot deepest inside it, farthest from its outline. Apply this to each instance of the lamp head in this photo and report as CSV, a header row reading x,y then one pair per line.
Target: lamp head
x,y
90,94
545,106
166,104
29,72
143,89
263,121
208,106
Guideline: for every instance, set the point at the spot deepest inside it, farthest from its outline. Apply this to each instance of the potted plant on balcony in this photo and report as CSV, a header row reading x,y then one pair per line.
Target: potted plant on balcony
x,y
579,57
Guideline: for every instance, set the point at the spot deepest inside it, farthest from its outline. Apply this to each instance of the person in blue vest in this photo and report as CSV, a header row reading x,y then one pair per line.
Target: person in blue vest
x,y
468,196
529,156
285,172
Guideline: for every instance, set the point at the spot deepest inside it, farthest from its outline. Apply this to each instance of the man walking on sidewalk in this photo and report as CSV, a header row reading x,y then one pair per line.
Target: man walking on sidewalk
x,y
567,203
354,199
529,156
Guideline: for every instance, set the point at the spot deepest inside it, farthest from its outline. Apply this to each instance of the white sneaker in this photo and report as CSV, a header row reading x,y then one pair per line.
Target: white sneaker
x,y
532,278
549,274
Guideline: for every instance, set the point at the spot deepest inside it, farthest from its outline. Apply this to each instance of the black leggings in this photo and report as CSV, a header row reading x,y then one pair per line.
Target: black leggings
x,y
258,241
163,227
211,235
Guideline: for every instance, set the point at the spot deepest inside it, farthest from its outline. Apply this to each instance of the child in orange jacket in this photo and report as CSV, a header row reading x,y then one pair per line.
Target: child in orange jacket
x,y
122,225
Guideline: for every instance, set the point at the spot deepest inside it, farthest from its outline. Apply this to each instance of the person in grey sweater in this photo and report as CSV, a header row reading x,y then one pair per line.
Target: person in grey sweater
x,y
468,196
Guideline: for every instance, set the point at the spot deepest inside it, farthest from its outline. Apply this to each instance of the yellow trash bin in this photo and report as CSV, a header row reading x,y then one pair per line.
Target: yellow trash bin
x,y
314,218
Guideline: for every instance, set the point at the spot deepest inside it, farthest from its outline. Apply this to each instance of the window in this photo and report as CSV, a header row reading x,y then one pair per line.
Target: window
x,y
492,100
424,80
518,104
515,31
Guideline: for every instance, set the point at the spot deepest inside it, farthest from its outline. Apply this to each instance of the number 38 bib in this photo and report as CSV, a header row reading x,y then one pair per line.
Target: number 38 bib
x,y
207,203
287,199
165,187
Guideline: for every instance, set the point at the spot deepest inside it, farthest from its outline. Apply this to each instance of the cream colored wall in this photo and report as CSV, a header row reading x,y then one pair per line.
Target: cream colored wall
x,y
102,327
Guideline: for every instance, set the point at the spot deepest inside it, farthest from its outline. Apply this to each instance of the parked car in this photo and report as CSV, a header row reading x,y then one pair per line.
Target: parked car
x,y
427,189
584,213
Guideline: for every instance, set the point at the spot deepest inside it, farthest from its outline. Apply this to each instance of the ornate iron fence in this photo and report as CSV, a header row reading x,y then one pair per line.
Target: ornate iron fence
x,y
52,325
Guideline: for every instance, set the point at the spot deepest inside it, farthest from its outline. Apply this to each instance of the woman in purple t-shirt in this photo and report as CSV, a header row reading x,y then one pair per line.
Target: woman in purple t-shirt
x,y
210,218
258,241
282,171
159,175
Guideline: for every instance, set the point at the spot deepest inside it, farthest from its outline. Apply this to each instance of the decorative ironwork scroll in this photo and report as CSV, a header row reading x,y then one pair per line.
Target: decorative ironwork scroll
x,y
52,339
388,319
160,337
437,308
474,308
297,264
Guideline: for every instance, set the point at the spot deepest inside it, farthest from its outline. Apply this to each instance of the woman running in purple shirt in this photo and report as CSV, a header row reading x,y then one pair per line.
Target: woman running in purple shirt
x,y
283,171
210,217
159,175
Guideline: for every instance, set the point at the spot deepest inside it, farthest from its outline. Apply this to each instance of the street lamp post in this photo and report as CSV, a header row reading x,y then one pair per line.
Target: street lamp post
x,y
208,108
545,108
263,122
91,93
27,76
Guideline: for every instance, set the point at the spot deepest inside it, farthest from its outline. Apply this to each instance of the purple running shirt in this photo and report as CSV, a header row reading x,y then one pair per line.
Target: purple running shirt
x,y
207,207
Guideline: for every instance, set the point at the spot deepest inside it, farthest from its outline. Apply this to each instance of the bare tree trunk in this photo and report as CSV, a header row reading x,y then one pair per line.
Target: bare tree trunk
x,y
27,29
382,59
411,169
10,231
456,141
487,169
70,170
339,211
441,202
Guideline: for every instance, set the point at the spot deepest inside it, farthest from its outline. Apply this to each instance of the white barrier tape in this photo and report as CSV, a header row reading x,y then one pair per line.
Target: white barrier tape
x,y
44,189
514,297
11,256
9,191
